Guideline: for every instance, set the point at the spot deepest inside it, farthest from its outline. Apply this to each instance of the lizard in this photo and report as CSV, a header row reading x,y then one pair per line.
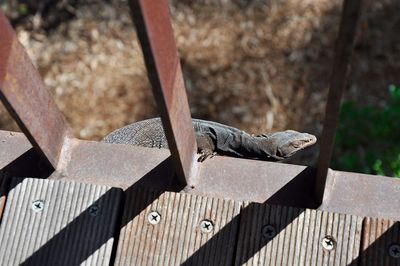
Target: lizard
x,y
217,139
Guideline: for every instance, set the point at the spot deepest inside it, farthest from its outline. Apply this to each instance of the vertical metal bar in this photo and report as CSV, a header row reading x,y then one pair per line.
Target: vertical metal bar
x,y
23,93
155,33
343,51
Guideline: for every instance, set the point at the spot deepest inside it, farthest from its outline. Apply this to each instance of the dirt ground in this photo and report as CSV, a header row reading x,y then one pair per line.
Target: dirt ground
x,y
258,65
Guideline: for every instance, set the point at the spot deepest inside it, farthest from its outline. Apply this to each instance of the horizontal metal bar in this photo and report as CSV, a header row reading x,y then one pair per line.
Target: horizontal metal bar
x,y
156,37
25,96
222,177
363,195
343,51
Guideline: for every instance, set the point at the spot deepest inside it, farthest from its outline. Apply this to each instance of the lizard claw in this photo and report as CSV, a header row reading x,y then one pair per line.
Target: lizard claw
x,y
204,154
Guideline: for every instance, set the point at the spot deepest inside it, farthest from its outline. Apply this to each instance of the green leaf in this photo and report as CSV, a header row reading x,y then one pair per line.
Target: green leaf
x,y
368,138
23,9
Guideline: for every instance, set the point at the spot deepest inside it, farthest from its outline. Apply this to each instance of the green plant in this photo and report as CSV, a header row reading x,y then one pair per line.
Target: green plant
x,y
368,138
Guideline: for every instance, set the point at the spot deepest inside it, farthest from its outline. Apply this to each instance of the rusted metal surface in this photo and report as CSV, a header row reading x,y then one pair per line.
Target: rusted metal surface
x,y
279,235
343,51
95,163
156,36
256,181
23,93
120,166
58,223
19,159
362,195
381,242
123,166
177,229
221,177
12,146
224,177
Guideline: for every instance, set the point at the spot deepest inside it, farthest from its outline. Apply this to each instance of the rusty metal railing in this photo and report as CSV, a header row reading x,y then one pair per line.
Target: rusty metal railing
x,y
25,96
23,93
344,48
156,37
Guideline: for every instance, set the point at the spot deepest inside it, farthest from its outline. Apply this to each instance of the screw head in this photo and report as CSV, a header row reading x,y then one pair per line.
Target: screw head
x,y
394,251
328,243
206,226
94,210
268,231
154,217
37,205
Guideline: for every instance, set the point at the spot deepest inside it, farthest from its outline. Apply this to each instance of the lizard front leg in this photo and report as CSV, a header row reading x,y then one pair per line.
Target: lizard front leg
x,y
205,146
204,154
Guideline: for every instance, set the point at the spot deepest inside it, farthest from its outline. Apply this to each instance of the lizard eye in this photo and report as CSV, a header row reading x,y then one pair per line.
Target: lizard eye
x,y
296,144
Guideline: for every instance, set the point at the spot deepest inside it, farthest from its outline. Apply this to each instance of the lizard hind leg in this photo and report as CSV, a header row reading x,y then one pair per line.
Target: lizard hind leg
x,y
206,153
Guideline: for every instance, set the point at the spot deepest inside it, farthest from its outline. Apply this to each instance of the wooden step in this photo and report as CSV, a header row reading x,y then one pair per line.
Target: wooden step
x,y
49,222
381,242
279,235
187,230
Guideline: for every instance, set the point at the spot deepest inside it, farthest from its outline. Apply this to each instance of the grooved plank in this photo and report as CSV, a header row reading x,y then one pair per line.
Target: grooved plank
x,y
379,236
75,225
296,238
3,192
177,239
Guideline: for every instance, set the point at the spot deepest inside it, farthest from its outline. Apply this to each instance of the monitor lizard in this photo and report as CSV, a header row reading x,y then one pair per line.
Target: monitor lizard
x,y
217,139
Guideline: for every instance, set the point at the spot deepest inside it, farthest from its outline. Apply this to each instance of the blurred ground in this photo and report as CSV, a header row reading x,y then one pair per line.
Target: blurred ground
x,y
257,65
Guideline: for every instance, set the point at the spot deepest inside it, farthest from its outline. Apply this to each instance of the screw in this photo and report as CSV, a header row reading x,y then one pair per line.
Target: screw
x,y
394,251
154,217
206,226
268,231
328,243
38,205
94,210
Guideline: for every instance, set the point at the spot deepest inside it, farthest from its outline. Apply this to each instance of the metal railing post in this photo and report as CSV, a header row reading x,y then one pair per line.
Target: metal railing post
x,y
343,51
155,33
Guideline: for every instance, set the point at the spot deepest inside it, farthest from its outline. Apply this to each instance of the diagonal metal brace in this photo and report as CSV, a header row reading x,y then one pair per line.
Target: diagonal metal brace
x,y
24,94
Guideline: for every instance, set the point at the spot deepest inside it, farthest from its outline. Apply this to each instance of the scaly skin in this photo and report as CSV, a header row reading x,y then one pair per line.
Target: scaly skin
x,y
215,138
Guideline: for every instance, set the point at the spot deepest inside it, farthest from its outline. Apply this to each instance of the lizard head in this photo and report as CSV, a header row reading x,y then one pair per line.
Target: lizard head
x,y
284,144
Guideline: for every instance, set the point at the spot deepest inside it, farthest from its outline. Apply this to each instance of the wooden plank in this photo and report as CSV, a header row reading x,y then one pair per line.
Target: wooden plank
x,y
280,235
381,242
49,222
177,237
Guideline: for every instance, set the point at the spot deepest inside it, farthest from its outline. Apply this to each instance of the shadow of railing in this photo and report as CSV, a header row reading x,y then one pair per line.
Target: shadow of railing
x,y
161,177
51,253
73,244
30,163
375,250
295,193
